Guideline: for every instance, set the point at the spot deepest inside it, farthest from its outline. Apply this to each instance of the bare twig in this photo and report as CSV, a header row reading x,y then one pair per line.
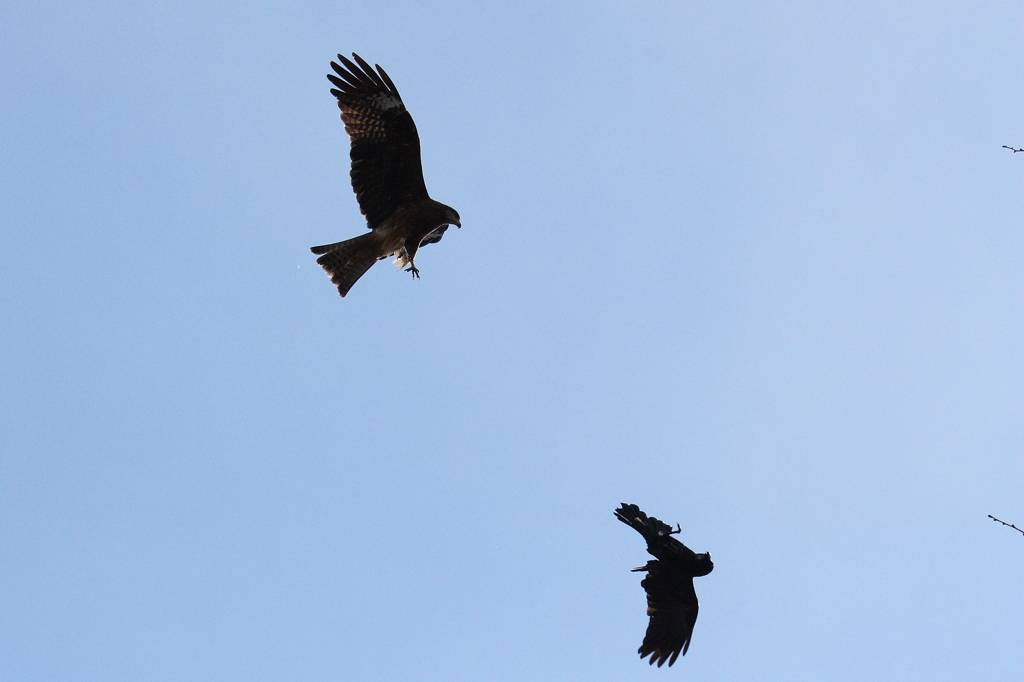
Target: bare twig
x,y
1014,150
1007,524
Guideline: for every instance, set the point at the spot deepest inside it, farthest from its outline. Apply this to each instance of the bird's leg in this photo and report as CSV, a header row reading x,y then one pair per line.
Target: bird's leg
x,y
412,266
678,530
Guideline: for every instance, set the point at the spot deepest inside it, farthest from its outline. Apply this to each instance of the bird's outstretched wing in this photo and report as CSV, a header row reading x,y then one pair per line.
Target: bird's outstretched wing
x,y
672,608
657,533
386,170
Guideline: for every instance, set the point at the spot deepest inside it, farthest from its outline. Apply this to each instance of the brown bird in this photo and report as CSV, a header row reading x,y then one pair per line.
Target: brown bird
x,y
671,599
386,175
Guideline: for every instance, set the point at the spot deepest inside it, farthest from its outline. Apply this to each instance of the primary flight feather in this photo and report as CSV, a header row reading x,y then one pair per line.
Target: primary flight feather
x,y
386,176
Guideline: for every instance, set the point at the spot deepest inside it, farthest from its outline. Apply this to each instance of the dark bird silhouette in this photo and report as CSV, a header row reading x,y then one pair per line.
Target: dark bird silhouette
x,y
386,175
671,599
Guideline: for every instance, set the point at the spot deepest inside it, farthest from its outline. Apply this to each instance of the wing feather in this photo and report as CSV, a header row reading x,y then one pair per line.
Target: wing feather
x,y
385,148
672,607
349,78
371,74
434,237
386,78
656,532
356,72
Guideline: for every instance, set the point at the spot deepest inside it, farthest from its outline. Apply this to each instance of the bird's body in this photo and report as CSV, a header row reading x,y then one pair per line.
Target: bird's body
x,y
386,175
671,600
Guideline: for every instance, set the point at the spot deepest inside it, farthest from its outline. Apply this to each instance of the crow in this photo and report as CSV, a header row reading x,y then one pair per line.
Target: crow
x,y
671,599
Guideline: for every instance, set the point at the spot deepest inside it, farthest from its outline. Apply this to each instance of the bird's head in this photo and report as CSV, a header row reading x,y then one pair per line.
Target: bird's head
x,y
452,216
704,564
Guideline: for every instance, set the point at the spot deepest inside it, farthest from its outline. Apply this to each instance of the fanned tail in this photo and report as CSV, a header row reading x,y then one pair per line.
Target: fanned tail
x,y
349,260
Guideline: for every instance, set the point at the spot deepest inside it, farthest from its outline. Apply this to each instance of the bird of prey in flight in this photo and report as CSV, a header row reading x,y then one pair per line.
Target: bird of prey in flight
x,y
386,175
671,599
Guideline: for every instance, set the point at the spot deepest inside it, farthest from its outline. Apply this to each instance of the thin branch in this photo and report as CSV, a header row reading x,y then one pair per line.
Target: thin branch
x,y
1014,150
1007,524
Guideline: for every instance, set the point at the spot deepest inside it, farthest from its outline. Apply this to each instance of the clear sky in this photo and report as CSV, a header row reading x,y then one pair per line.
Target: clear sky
x,y
754,267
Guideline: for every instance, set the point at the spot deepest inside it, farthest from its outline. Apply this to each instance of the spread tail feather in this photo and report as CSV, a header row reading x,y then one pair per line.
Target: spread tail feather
x,y
326,247
347,261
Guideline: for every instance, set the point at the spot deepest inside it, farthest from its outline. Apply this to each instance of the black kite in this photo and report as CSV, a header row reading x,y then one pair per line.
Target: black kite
x,y
386,175
671,599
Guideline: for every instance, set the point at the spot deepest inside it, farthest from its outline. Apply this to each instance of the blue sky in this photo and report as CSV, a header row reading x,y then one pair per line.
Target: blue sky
x,y
756,268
